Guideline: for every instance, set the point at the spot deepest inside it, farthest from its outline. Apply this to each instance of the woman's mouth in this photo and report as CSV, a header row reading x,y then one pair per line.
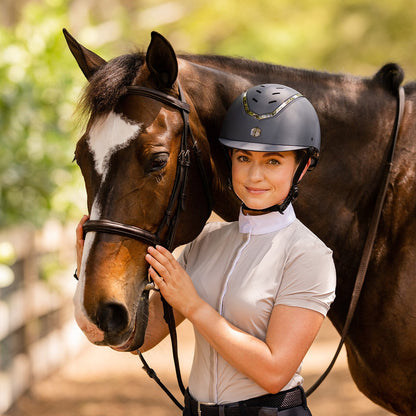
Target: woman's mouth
x,y
255,191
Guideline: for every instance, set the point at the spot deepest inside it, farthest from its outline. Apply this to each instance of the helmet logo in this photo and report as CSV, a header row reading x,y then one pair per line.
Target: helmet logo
x,y
255,132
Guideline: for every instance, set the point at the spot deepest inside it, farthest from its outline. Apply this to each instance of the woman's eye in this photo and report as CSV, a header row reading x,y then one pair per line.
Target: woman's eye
x,y
242,158
273,162
158,162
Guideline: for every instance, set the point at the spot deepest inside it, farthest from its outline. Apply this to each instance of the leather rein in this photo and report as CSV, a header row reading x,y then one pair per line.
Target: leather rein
x,y
170,221
371,236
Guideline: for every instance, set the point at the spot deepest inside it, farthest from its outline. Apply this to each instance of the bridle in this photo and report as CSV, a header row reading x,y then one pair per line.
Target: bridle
x,y
170,220
176,204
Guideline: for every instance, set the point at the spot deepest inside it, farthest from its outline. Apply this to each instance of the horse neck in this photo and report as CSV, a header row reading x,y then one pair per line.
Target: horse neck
x,y
356,116
210,92
212,83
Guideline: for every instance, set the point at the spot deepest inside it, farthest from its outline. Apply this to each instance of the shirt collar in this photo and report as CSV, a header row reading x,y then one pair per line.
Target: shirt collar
x,y
266,223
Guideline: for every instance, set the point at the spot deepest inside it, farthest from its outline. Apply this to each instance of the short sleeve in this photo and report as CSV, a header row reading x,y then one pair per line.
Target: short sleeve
x,y
309,279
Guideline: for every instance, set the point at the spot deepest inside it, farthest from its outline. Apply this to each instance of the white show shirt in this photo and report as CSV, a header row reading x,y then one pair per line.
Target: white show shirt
x,y
243,269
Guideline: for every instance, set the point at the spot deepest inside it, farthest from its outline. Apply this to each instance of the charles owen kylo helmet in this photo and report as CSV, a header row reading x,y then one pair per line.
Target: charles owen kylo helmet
x,y
274,118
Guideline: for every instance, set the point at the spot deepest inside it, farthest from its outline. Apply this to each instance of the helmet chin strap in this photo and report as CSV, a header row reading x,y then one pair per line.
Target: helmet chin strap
x,y
291,196
293,192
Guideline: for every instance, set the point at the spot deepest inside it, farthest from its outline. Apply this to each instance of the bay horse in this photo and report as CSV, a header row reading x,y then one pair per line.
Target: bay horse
x,y
128,156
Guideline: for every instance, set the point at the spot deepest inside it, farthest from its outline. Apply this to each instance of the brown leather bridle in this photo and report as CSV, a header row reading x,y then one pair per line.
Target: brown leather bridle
x,y
176,204
170,221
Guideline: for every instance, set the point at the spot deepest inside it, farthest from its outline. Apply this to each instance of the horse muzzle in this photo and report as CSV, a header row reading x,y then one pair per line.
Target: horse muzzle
x,y
121,332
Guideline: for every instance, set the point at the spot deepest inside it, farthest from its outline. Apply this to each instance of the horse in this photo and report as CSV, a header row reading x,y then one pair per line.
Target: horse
x,y
140,106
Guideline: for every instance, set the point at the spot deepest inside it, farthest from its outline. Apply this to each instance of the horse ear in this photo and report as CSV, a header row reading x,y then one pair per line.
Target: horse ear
x,y
87,60
390,76
161,61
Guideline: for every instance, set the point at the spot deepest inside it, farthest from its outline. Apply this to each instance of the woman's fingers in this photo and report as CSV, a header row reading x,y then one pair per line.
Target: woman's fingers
x,y
161,259
158,262
79,230
156,277
80,240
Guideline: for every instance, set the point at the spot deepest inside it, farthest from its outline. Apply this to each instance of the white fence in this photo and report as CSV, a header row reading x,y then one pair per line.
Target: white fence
x,y
37,329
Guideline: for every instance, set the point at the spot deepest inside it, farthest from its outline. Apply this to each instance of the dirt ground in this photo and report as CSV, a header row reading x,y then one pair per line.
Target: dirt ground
x,y
102,382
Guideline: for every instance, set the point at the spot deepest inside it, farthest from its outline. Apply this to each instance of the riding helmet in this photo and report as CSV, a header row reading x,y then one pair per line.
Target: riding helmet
x,y
274,118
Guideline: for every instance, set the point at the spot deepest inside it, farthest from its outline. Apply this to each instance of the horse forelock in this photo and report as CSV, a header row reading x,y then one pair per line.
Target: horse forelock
x,y
109,84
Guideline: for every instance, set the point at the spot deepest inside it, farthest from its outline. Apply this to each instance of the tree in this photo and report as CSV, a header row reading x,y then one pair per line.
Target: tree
x,y
38,88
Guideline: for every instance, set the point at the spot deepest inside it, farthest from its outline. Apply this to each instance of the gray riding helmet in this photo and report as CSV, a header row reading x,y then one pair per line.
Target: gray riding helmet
x,y
272,118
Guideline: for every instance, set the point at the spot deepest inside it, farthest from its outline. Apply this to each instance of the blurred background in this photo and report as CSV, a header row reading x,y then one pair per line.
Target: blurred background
x,y
41,191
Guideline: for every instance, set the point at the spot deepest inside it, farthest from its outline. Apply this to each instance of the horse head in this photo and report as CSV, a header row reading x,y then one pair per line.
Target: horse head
x,y
137,134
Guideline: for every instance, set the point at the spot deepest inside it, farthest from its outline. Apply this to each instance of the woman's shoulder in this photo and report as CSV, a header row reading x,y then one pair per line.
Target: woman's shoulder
x,y
215,229
303,238
212,236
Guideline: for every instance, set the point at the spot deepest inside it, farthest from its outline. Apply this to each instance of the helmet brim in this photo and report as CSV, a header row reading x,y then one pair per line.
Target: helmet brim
x,y
258,147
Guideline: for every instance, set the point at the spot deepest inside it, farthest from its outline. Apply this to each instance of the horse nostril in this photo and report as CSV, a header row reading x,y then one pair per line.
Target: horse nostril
x,y
112,317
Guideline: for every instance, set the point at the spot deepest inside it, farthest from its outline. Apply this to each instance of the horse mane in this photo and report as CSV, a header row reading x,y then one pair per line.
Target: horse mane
x,y
238,64
109,84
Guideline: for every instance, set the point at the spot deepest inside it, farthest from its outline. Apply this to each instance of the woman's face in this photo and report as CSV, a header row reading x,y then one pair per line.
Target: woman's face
x,y
262,179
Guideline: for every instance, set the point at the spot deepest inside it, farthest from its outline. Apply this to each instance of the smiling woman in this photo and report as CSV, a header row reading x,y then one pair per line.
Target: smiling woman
x,y
271,281
263,179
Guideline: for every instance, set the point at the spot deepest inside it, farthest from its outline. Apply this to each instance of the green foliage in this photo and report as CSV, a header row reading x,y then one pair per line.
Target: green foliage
x,y
354,36
37,92
40,81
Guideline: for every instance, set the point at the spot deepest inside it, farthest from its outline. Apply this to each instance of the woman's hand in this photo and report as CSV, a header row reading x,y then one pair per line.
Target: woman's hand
x,y
80,241
174,283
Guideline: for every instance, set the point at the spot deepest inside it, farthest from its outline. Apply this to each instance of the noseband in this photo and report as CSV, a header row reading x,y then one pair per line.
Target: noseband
x,y
175,206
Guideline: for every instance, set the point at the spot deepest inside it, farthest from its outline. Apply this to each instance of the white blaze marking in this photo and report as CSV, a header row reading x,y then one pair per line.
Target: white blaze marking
x,y
108,135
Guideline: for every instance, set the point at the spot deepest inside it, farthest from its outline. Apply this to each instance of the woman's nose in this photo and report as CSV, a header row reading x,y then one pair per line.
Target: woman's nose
x,y
255,172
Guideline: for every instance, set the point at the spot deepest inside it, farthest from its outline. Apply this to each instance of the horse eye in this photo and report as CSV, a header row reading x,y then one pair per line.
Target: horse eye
x,y
158,161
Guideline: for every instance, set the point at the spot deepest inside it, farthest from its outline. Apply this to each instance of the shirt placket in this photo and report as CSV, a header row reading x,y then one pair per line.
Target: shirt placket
x,y
246,241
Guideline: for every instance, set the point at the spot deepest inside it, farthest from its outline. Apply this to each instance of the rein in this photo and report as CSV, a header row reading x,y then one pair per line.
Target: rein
x,y
170,221
369,243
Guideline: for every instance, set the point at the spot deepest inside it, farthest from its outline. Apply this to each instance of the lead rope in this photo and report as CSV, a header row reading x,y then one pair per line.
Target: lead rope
x,y
369,243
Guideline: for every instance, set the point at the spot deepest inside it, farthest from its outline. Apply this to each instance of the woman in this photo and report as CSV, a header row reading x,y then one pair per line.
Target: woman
x,y
256,290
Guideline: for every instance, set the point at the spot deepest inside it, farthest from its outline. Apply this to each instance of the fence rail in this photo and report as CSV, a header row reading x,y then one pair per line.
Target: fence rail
x,y
37,330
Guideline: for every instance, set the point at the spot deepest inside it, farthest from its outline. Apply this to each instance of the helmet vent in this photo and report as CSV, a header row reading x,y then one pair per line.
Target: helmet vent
x,y
273,101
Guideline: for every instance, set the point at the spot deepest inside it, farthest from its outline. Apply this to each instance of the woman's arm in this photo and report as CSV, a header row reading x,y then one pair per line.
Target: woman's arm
x,y
157,328
271,364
